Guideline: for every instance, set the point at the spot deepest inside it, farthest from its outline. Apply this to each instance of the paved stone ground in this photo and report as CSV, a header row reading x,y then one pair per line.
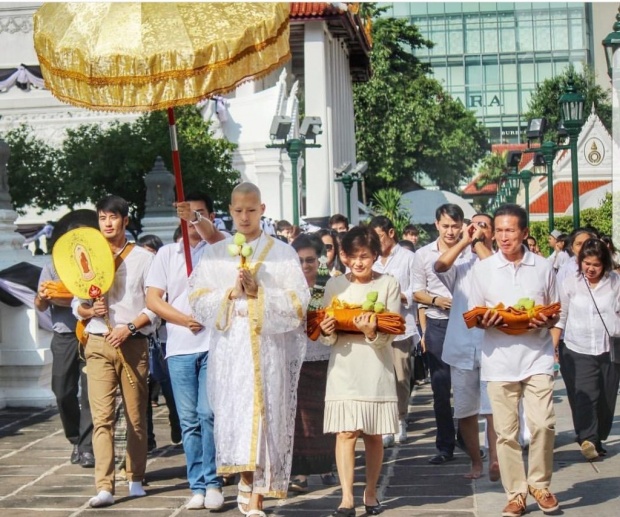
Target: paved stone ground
x,y
37,478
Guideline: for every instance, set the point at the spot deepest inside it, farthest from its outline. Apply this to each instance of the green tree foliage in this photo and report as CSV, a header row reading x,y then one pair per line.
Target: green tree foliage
x,y
492,168
405,122
94,161
32,163
544,101
388,202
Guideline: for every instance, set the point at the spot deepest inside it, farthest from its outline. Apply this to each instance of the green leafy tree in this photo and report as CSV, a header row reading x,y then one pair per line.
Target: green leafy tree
x,y
32,167
388,202
95,161
492,168
405,122
544,102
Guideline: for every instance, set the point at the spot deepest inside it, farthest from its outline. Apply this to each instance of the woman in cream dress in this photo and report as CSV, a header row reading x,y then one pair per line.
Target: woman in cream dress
x,y
360,399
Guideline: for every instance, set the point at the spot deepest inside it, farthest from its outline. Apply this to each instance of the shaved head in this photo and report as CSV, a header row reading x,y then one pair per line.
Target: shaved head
x,y
246,188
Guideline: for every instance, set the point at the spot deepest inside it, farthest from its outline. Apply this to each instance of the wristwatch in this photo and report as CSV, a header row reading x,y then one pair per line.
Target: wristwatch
x,y
132,328
475,241
198,218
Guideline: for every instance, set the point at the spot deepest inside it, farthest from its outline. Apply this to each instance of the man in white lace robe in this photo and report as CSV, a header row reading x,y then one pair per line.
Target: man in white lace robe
x,y
258,315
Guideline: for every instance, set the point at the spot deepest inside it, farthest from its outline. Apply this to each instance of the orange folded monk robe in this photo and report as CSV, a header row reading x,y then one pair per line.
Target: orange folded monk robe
x,y
387,322
515,321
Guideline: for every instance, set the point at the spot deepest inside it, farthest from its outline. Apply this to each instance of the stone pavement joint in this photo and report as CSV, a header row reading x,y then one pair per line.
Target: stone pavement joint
x,y
37,478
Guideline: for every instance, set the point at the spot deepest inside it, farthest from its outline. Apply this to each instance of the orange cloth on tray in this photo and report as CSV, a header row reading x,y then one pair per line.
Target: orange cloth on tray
x,y
517,320
387,322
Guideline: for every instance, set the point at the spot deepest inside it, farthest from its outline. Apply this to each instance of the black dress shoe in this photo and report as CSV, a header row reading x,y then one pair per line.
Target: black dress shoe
x,y
75,455
440,459
374,510
342,512
87,460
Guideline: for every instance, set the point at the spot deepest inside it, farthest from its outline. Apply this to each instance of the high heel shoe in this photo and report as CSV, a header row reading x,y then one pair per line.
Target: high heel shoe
x,y
342,512
374,510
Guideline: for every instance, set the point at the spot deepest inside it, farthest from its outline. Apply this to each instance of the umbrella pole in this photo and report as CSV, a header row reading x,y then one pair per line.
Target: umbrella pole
x,y
178,179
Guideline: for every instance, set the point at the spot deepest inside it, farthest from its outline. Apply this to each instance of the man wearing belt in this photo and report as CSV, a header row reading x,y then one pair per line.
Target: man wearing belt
x,y
117,348
398,262
430,291
68,372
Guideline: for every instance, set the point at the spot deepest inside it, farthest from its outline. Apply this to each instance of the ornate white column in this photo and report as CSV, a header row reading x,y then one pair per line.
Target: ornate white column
x,y
25,358
615,149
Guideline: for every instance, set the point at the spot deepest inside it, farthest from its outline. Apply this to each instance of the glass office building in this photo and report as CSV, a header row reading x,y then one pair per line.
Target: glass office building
x,y
491,55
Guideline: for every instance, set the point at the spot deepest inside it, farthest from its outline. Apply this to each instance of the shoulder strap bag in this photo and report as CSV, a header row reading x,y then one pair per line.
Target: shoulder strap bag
x,y
614,341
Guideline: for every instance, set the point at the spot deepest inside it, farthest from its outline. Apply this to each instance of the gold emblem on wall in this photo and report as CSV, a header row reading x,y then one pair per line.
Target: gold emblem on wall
x,y
594,151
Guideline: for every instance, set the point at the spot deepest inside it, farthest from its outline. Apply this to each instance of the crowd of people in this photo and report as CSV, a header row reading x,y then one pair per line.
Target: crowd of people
x,y
251,395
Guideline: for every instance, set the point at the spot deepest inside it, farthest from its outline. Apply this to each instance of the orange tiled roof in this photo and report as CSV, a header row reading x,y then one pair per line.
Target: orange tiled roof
x,y
313,9
471,190
563,196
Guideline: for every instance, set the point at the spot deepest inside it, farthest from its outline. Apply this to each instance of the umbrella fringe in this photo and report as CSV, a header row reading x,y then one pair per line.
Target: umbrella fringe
x,y
172,103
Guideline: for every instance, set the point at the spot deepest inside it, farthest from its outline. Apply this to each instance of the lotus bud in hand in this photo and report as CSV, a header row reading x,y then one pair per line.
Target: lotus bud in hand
x,y
240,248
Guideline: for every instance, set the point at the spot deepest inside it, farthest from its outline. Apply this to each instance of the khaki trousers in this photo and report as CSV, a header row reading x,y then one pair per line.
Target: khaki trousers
x,y
105,372
537,393
401,356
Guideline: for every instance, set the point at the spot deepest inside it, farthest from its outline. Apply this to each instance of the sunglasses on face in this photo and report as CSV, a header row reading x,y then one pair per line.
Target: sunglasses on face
x,y
329,247
307,260
482,224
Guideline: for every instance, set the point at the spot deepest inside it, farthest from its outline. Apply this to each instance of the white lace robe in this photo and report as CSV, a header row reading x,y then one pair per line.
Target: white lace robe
x,y
254,359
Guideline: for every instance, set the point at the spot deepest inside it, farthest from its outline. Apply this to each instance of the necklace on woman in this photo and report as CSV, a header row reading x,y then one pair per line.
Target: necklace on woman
x,y
355,280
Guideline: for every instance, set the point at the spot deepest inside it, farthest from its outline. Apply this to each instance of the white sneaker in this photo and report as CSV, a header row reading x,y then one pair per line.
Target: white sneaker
x,y
388,440
197,502
103,498
214,500
402,436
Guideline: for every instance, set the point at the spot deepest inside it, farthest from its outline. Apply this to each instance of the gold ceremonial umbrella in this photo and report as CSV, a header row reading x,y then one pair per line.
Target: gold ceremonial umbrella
x,y
131,57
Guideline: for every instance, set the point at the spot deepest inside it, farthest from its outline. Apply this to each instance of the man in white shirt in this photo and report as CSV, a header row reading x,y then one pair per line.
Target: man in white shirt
x,y
518,366
187,348
398,262
118,320
461,348
430,291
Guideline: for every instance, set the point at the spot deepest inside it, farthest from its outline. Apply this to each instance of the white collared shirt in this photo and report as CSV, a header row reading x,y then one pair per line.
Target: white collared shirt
x,y
126,299
570,268
462,346
584,332
169,273
399,264
496,280
425,278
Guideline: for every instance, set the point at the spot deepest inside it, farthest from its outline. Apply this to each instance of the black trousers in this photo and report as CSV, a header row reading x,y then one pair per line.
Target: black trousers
x,y
592,388
441,383
67,372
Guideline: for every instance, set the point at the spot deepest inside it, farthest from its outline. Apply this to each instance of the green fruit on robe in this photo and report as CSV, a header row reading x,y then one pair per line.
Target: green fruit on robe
x,y
239,239
372,296
367,305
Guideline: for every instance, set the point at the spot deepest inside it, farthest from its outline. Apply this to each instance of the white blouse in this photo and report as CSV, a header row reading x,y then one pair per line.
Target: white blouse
x,y
584,332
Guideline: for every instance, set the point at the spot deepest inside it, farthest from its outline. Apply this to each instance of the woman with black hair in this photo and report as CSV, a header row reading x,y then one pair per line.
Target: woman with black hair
x,y
332,251
590,311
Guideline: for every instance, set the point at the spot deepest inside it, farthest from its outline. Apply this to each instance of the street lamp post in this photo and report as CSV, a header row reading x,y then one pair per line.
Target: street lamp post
x,y
280,129
548,150
348,178
571,104
612,43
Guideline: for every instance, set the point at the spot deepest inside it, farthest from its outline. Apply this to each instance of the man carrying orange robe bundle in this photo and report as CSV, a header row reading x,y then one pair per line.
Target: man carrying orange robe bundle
x,y
517,366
